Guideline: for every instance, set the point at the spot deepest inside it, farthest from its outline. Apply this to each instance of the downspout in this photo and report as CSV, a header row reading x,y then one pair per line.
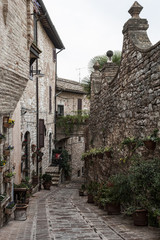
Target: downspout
x,y
55,131
37,120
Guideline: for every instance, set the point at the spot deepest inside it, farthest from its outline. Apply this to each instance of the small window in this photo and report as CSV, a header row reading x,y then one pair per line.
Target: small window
x,y
79,139
35,28
79,106
60,110
50,99
41,133
78,173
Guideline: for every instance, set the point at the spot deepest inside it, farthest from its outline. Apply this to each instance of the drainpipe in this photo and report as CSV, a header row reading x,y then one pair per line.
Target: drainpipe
x,y
37,119
55,132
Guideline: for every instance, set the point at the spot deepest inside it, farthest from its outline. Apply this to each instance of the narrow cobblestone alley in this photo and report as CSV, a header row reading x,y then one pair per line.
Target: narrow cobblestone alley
x,y
62,214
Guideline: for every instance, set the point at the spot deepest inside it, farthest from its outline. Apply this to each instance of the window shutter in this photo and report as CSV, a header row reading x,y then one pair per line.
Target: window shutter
x,y
79,104
50,99
41,133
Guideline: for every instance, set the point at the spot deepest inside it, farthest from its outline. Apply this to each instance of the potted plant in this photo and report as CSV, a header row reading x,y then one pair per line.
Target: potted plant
x,y
7,150
151,140
92,189
2,137
34,178
82,190
10,208
2,164
8,122
132,143
33,147
8,176
108,151
20,212
47,181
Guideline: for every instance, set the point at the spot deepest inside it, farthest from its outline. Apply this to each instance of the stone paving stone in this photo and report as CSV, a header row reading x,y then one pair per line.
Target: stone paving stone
x,y
62,214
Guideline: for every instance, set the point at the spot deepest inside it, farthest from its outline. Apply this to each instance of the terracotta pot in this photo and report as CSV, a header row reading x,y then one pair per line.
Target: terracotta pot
x,y
7,179
9,211
108,154
90,198
47,185
6,153
100,155
1,168
113,208
81,193
150,145
140,217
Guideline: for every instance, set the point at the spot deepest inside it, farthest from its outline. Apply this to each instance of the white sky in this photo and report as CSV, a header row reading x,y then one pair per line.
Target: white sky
x,y
89,28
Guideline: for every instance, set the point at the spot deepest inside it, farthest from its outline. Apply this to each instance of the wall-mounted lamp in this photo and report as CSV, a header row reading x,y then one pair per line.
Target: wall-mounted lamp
x,y
37,73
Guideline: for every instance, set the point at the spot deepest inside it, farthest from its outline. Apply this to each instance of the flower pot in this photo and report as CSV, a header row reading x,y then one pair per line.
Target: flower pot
x,y
20,212
81,193
140,217
108,154
47,185
6,152
7,179
113,208
100,155
90,198
34,180
1,168
9,211
150,145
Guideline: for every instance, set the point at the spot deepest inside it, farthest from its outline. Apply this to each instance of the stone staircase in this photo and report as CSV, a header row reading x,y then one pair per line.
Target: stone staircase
x,y
56,175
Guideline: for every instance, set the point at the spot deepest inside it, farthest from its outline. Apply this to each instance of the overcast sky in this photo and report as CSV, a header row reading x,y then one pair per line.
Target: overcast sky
x,y
89,28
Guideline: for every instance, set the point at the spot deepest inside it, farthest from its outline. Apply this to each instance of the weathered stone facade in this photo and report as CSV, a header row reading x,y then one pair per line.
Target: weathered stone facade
x,y
125,102
37,104
68,93
28,43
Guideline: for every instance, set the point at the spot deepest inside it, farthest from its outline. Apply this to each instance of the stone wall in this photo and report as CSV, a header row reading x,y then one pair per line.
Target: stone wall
x,y
28,103
127,103
68,93
14,53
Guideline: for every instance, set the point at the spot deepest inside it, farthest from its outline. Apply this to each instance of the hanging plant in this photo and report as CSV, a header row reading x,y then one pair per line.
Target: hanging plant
x,y
8,122
2,137
67,123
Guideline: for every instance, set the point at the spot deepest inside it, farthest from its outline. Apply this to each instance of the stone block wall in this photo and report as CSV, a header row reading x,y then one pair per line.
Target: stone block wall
x,y
14,53
127,103
68,94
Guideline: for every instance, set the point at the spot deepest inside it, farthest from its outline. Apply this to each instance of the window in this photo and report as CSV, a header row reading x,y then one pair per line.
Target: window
x,y
79,109
50,99
41,133
79,173
35,28
50,147
60,110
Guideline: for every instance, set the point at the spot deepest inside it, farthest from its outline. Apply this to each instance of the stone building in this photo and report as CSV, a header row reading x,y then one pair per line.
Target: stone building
x,y
28,45
71,100
125,101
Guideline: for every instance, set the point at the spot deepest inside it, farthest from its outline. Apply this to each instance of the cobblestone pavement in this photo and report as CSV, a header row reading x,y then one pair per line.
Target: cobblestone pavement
x,y
62,214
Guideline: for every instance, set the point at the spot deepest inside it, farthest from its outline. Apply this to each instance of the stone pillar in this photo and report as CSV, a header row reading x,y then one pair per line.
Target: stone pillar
x,y
135,28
